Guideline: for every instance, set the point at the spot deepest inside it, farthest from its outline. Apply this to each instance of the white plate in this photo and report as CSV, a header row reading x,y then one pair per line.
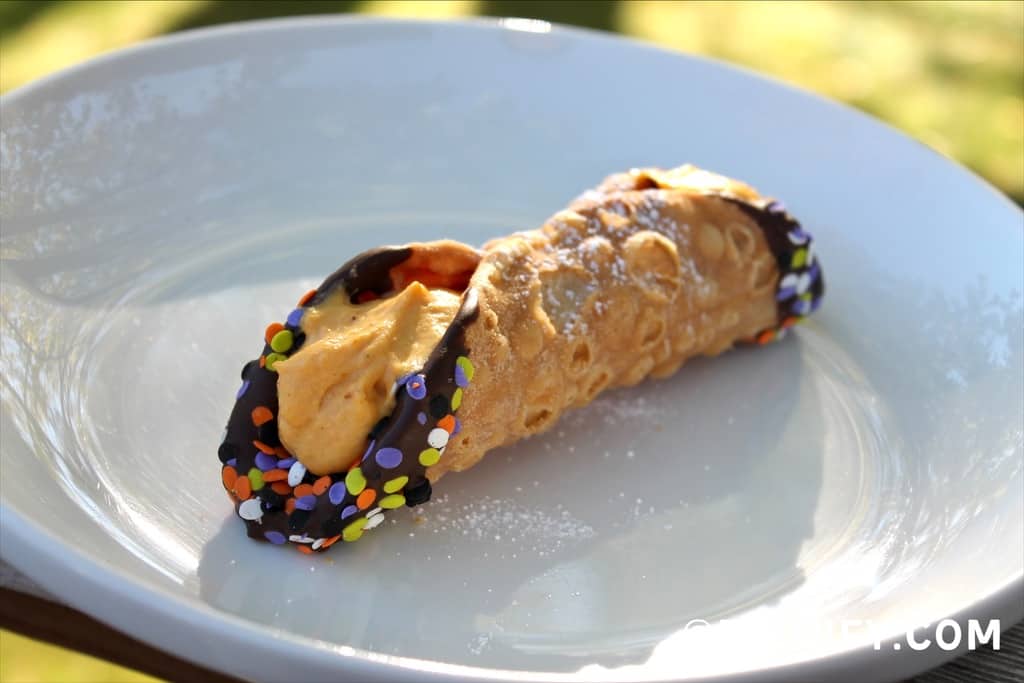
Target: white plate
x,y
161,205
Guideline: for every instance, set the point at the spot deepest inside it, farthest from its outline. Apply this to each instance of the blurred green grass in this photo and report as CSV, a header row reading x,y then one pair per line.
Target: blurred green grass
x,y
948,73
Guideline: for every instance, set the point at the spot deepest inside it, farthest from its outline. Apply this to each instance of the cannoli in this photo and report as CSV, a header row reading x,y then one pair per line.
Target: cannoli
x,y
412,361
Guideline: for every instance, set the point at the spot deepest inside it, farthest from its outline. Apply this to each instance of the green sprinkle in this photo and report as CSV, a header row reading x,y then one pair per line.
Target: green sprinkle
x,y
355,482
466,365
354,530
282,341
391,502
273,358
256,479
429,457
799,259
456,399
395,484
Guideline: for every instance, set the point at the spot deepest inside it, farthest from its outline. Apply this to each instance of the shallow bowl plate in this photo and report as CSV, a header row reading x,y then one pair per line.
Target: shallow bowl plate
x,y
786,511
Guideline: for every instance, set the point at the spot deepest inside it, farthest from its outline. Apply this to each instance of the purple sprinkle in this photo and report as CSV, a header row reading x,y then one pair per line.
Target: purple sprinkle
x,y
814,271
306,502
785,293
275,537
389,458
801,307
286,463
405,378
416,386
460,377
814,304
233,462
349,511
336,493
457,428
776,207
242,389
369,449
265,461
422,418
295,317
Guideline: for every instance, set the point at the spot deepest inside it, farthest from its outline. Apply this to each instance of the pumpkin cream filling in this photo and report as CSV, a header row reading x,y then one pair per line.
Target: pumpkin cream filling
x,y
343,381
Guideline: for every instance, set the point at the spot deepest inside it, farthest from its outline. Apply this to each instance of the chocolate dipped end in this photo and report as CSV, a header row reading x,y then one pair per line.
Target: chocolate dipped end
x,y
279,500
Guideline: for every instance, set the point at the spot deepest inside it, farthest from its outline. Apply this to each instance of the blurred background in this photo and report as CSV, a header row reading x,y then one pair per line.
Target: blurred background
x,y
951,74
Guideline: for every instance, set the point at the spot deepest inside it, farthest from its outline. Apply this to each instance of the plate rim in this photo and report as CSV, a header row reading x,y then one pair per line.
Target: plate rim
x,y
117,597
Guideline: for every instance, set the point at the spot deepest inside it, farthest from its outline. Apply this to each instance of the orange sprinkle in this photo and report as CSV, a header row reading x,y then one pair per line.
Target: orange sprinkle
x,y
366,499
306,297
331,541
262,446
365,296
263,361
303,490
289,506
304,549
790,321
228,475
281,452
243,489
261,415
272,329
321,485
447,423
280,487
275,475
765,336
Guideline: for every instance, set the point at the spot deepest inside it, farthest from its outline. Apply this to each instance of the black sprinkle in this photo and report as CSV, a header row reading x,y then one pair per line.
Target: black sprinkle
x,y
333,526
419,494
439,406
379,428
248,366
272,500
268,433
227,451
297,520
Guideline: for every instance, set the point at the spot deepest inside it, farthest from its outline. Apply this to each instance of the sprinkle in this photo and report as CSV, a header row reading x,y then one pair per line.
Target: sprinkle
x,y
255,479
282,341
306,297
447,423
467,369
261,415
228,475
456,399
296,473
285,463
349,511
421,417
366,499
260,446
275,537
799,258
354,530
336,494
304,549
331,541
395,484
295,317
233,462
437,437
242,389
303,490
458,427
318,543
369,449
430,456
250,510
355,482
305,502
393,501
274,475
372,521
765,336
321,485
243,488
300,538
281,487
274,358
389,458
266,462
272,329
416,386
263,361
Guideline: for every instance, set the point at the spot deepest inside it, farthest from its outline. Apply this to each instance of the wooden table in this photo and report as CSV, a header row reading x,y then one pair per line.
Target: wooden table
x,y
27,609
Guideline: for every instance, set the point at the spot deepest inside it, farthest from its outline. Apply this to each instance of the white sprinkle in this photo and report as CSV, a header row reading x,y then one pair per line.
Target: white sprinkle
x,y
296,473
